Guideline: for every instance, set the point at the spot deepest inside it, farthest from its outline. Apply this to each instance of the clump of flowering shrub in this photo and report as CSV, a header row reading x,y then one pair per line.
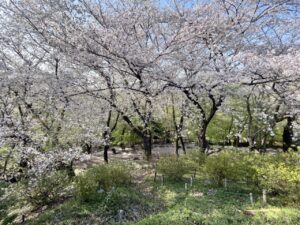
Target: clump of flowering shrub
x,y
46,175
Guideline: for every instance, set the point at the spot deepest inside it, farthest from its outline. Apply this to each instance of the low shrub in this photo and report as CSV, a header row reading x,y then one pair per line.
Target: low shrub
x,y
43,190
196,157
279,179
278,173
102,178
223,165
174,167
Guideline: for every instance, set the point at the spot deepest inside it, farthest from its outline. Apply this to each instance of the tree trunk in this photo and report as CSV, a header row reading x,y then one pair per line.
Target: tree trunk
x,y
264,145
177,146
87,148
202,138
105,153
182,144
250,123
287,136
236,141
147,143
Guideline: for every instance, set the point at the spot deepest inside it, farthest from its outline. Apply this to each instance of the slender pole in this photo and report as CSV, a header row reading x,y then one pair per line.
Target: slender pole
x,y
225,183
251,198
264,192
162,180
121,212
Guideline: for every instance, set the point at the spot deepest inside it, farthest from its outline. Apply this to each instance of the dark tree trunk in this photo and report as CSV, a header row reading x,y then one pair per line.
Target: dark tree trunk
x,y
177,146
147,143
107,135
203,144
264,143
287,136
87,148
182,144
250,123
236,142
178,127
105,153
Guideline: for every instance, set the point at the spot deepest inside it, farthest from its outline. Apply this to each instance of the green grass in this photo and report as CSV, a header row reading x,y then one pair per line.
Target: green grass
x,y
150,203
201,204
99,210
216,207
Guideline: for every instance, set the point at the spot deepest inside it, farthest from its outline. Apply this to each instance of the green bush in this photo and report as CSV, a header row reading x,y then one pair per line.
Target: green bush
x,y
43,190
174,167
123,135
226,164
195,158
102,177
280,178
278,173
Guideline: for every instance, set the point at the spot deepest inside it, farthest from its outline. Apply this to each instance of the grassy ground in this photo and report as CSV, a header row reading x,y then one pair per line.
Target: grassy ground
x,y
216,206
172,204
150,203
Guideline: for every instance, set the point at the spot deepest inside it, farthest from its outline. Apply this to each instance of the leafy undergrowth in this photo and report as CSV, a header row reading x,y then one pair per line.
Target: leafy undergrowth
x,y
4,206
116,193
201,204
145,202
135,205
